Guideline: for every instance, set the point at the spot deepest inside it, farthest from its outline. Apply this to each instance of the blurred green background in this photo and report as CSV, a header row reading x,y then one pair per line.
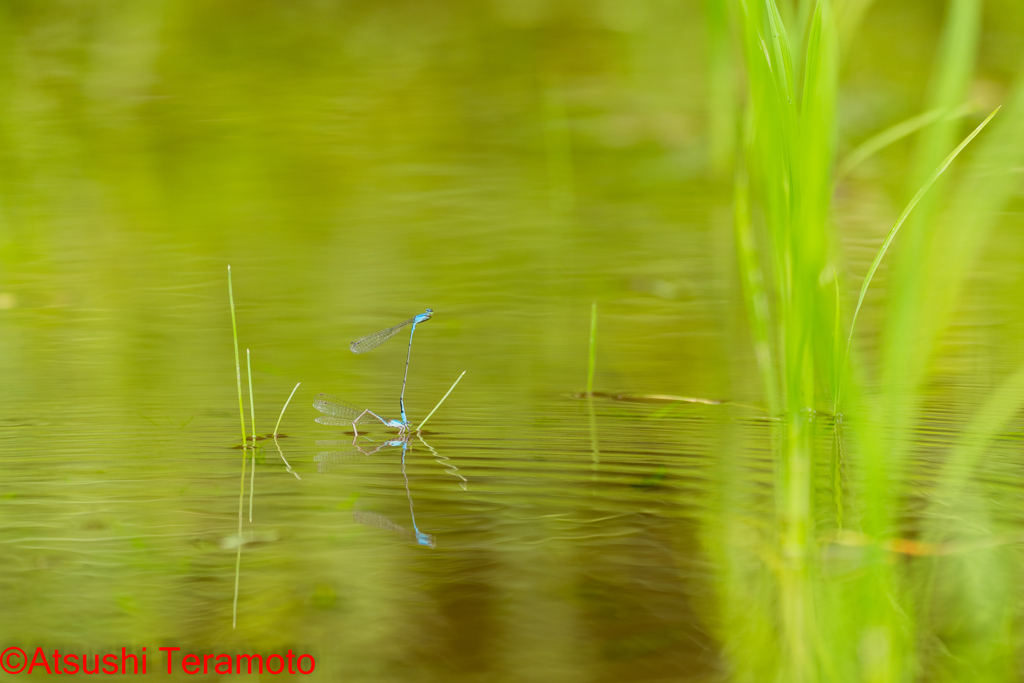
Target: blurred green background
x,y
505,163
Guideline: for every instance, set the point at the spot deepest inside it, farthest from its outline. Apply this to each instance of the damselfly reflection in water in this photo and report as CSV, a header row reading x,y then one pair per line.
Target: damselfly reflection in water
x,y
372,341
379,521
328,460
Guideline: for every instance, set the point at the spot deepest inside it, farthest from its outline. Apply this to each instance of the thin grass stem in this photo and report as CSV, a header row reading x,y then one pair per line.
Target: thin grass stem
x,y
895,229
279,417
439,403
887,137
252,419
285,408
238,364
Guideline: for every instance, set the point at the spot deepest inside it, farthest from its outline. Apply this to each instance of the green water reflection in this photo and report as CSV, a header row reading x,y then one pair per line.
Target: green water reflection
x,y
506,164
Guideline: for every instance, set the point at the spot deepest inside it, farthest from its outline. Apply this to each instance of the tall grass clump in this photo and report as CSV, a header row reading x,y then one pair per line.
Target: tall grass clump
x,y
784,174
823,595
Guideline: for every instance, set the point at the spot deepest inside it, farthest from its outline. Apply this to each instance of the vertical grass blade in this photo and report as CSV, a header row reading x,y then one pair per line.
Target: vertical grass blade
x,y
782,54
954,69
905,346
252,416
978,204
238,364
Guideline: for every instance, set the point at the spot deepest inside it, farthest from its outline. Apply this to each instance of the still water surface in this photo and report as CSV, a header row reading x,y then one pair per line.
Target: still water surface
x,y
356,167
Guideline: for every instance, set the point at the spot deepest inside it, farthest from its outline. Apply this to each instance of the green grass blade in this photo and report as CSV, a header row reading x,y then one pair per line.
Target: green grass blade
x,y
903,217
277,426
978,204
285,408
905,345
887,137
252,416
431,413
781,52
954,68
238,363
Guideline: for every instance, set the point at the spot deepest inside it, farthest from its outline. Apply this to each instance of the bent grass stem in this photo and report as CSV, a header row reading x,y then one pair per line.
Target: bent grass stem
x,y
439,403
895,229
285,408
279,451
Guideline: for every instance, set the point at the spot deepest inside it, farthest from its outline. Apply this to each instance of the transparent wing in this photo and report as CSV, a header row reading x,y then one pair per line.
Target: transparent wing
x,y
327,461
379,521
332,420
334,407
372,341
